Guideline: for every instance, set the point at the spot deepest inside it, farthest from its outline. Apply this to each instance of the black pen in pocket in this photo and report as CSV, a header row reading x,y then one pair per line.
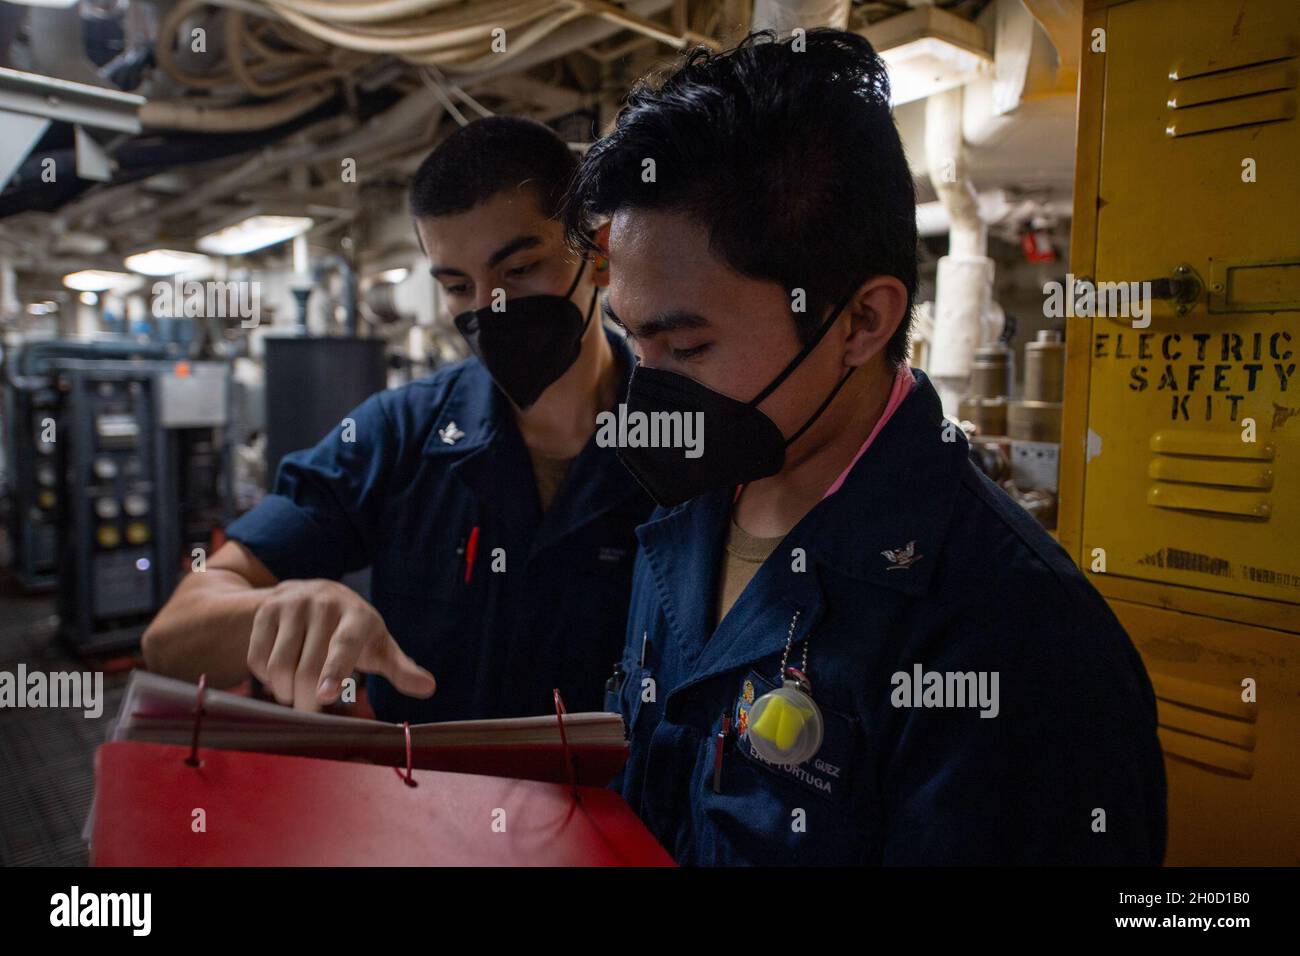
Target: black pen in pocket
x,y
719,744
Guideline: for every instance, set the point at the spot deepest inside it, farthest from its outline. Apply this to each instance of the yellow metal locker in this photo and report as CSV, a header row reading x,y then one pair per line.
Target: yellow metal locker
x,y
1180,480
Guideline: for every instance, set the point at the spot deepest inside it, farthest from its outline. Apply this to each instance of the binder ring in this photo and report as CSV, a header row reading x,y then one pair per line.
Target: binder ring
x,y
564,742
193,759
408,780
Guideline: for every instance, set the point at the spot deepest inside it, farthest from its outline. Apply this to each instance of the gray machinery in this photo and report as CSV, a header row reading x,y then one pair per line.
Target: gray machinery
x,y
311,384
142,449
1017,442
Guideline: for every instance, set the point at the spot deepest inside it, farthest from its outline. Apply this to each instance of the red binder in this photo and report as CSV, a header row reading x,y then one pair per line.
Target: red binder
x,y
269,810
593,765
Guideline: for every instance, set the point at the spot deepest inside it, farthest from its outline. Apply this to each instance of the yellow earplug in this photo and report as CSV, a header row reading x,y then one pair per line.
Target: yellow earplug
x,y
780,723
785,725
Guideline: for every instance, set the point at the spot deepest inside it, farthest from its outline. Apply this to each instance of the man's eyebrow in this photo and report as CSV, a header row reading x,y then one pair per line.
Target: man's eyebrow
x,y
513,246
671,321
505,252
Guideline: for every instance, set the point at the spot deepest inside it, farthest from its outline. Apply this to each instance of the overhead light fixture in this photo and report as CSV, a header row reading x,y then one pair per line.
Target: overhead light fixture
x,y
98,280
929,50
89,298
253,233
394,275
167,262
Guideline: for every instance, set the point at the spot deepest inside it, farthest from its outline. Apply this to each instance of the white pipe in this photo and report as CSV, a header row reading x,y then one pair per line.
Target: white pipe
x,y
301,256
192,117
411,39
965,315
996,206
414,112
945,158
373,12
8,291
784,15
577,35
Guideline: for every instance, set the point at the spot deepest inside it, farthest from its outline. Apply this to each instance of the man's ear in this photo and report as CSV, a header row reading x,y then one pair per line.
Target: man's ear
x,y
875,310
600,261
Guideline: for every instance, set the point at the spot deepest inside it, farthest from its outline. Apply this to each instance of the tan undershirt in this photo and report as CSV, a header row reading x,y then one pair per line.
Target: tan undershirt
x,y
742,556
549,474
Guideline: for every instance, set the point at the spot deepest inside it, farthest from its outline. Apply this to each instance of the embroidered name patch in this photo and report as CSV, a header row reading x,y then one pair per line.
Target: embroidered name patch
x,y
827,771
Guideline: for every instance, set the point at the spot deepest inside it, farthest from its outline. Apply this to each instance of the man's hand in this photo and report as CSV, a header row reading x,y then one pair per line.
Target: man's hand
x,y
309,635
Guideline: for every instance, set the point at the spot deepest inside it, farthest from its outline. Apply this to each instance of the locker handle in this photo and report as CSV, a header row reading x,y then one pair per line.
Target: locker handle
x,y
1184,287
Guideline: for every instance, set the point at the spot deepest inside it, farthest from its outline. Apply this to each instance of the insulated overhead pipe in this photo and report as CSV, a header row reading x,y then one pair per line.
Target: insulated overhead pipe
x,y
784,16
340,265
965,315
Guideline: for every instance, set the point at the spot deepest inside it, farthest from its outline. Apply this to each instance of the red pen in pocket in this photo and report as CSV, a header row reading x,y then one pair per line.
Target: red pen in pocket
x,y
471,548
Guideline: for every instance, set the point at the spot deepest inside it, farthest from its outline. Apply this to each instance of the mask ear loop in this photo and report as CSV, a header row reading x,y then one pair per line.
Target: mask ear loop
x,y
591,306
794,363
582,267
591,309
786,372
821,408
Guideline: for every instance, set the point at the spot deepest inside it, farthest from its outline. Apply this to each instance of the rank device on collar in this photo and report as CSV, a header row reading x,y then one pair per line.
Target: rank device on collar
x,y
785,725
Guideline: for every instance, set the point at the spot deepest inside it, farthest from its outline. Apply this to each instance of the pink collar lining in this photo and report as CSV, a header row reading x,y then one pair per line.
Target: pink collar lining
x,y
904,382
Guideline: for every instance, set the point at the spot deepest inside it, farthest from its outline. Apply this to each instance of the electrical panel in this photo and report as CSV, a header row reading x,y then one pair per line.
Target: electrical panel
x,y
144,459
111,575
31,417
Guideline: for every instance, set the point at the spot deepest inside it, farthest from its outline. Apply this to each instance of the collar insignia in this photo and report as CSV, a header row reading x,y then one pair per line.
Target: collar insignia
x,y
902,558
450,434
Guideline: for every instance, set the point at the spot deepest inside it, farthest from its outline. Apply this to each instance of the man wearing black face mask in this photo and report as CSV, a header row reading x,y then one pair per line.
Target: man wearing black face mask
x,y
845,645
500,535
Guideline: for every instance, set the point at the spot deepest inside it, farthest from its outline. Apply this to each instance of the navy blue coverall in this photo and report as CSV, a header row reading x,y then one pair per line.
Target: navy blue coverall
x,y
543,603
918,564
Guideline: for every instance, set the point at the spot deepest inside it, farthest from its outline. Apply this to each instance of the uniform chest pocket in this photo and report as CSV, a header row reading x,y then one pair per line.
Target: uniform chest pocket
x,y
593,575
639,695
420,595
436,574
828,773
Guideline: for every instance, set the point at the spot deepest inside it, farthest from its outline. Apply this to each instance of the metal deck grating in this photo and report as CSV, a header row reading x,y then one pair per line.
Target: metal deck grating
x,y
46,755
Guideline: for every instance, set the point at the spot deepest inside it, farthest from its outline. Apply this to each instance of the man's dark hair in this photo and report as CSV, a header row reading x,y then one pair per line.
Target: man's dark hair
x,y
487,156
790,158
